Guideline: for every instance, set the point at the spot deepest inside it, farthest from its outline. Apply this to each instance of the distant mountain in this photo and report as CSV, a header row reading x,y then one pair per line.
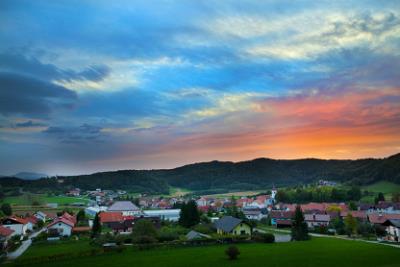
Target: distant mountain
x,y
216,176
30,175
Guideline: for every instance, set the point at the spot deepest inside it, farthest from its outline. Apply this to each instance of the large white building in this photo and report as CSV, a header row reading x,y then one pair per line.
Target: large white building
x,y
168,215
127,208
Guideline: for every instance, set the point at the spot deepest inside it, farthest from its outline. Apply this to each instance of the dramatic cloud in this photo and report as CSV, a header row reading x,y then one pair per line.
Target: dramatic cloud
x,y
95,86
30,123
26,95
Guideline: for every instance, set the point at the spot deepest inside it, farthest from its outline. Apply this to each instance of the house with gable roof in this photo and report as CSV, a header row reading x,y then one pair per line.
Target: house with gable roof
x,y
231,225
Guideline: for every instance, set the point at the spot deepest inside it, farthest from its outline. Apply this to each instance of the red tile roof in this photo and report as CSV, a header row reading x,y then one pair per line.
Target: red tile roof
x,y
360,214
69,217
4,231
379,218
32,219
19,220
280,214
61,220
112,216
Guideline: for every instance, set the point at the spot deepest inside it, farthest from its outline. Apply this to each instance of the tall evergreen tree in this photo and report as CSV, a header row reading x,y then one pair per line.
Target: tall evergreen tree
x,y
80,216
96,228
299,227
189,215
380,197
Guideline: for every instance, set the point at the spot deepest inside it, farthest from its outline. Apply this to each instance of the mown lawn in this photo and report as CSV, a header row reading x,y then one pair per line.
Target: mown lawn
x,y
55,247
319,252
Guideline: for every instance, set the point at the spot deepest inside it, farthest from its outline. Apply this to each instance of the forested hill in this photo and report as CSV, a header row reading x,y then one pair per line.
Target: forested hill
x,y
218,175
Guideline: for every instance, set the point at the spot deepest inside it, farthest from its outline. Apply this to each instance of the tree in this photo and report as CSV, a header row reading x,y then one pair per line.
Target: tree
x,y
80,216
339,226
234,211
189,215
352,205
379,198
144,232
354,193
350,225
96,228
396,197
232,252
6,209
299,226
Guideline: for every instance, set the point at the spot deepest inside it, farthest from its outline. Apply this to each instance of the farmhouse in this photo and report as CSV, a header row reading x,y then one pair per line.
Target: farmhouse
x,y
317,220
380,218
393,230
60,227
5,235
232,225
116,221
253,214
281,219
18,225
126,207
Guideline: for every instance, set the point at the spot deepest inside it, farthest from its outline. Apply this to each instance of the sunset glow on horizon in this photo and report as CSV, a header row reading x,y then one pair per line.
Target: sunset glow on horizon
x,y
91,86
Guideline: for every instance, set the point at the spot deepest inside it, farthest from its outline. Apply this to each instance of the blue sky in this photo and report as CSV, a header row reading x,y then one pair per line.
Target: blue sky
x,y
97,85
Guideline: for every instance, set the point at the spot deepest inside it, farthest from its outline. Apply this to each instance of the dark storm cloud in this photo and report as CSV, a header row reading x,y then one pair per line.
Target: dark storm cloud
x,y
30,123
18,63
26,95
85,133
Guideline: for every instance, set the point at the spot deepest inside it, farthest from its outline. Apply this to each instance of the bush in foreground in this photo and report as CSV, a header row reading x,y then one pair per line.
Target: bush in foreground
x,y
263,237
232,252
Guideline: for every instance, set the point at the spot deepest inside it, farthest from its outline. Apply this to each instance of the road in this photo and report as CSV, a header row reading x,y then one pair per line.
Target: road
x,y
25,245
287,233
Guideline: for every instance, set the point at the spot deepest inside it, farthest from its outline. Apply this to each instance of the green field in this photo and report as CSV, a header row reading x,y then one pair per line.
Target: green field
x,y
28,199
387,188
383,186
326,252
56,247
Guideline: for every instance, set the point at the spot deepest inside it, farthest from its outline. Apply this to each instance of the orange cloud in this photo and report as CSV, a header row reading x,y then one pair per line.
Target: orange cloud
x,y
346,125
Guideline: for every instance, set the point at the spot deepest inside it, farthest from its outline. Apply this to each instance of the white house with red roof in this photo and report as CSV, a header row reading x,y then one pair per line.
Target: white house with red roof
x,y
18,225
5,235
62,226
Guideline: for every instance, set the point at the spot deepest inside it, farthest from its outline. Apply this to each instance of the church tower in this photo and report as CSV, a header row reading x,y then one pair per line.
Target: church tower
x,y
273,192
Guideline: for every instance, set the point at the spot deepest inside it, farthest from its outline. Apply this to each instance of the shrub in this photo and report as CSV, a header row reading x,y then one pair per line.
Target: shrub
x,y
264,237
232,252
144,239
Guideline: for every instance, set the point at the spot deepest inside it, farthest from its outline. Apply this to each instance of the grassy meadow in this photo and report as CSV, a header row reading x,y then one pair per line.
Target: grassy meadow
x,y
327,252
387,188
28,199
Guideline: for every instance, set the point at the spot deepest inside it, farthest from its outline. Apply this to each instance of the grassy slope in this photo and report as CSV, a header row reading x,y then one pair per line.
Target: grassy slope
x,y
28,199
383,186
318,252
387,188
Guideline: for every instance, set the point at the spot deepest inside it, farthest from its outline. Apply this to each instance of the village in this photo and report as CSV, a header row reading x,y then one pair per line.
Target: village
x,y
111,218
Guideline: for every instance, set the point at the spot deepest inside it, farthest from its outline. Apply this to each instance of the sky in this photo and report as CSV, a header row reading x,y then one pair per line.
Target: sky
x,y
89,86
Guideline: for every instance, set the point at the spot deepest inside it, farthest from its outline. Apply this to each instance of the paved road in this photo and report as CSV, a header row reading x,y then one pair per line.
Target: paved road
x,y
25,245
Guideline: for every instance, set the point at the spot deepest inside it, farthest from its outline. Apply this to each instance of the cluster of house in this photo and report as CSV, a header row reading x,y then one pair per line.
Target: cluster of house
x,y
385,214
